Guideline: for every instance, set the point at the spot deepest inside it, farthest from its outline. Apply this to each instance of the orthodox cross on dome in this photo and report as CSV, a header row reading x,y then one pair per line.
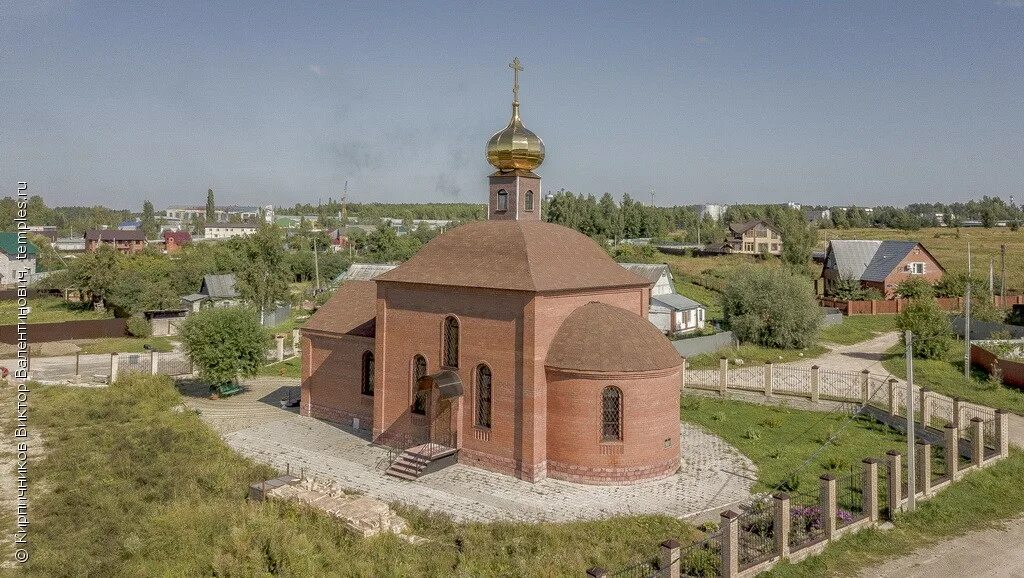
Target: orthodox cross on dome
x,y
516,69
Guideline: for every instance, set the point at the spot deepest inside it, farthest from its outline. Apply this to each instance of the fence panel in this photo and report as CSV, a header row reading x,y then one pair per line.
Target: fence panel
x,y
806,524
850,498
940,409
133,362
702,559
174,364
971,411
839,385
791,380
703,378
751,378
756,534
878,392
642,569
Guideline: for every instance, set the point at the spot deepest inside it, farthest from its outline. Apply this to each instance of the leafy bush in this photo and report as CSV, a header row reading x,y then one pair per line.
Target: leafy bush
x,y
138,327
225,343
982,309
915,288
771,307
956,285
930,328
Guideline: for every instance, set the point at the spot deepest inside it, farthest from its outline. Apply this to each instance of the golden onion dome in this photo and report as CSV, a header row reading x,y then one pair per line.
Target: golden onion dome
x,y
515,146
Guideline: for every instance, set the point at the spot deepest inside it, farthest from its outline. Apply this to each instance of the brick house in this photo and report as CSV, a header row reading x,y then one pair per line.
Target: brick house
x,y
510,344
175,240
755,237
123,241
880,265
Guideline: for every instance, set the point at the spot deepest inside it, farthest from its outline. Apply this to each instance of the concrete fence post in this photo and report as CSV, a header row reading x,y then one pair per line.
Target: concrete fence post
x,y
923,471
723,375
78,365
952,451
768,379
730,529
154,361
295,341
893,398
958,412
596,572
1002,433
669,559
977,441
682,374
926,413
869,487
113,367
894,473
280,347
865,385
814,383
828,505
781,524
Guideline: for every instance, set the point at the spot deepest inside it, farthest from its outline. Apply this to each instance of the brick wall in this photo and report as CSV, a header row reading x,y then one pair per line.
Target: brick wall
x,y
331,379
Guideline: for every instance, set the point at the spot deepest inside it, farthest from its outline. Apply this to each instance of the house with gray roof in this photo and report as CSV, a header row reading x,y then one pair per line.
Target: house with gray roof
x,y
668,311
880,265
216,291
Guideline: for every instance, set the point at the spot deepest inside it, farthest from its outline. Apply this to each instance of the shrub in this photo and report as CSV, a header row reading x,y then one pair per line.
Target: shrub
x,y
138,327
929,326
225,343
771,307
982,309
915,288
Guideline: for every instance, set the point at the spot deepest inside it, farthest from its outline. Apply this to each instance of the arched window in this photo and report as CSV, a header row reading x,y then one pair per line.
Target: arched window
x,y
483,396
529,201
419,370
611,414
367,385
451,342
502,204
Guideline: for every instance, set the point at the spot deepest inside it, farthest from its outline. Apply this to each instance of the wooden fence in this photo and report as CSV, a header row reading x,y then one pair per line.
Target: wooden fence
x,y
891,306
84,329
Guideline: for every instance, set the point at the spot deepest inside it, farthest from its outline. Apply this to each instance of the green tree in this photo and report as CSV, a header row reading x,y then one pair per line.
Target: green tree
x,y
225,343
264,278
930,328
211,207
915,288
771,307
149,226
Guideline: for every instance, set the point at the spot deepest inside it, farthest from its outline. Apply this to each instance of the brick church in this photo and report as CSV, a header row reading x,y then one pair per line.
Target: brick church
x,y
510,344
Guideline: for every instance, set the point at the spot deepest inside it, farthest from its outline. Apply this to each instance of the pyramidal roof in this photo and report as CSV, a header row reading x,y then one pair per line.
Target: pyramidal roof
x,y
515,255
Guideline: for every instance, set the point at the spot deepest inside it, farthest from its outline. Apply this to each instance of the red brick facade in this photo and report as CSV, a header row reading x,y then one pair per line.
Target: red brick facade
x,y
933,272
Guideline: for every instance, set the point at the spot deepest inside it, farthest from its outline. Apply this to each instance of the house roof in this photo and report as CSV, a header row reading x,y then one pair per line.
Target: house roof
x,y
604,338
851,258
364,271
514,255
740,228
676,301
9,244
180,237
114,235
887,257
219,286
352,310
652,271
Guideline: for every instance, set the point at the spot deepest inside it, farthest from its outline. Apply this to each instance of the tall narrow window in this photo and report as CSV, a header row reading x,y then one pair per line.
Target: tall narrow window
x,y
451,342
419,370
529,201
611,414
483,396
502,201
367,385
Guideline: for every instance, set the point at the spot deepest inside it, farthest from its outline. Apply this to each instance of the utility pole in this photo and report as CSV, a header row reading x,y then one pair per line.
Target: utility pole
x,y
1002,267
967,332
911,440
991,279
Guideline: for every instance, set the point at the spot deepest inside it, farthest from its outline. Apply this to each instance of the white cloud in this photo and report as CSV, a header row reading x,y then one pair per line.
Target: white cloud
x,y
317,69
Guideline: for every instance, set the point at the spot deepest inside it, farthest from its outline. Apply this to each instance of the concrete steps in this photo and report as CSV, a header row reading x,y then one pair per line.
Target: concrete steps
x,y
417,461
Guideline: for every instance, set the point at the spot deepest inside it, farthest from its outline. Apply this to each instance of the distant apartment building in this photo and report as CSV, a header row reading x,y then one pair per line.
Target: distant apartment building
x,y
123,241
218,231
816,216
715,212
223,214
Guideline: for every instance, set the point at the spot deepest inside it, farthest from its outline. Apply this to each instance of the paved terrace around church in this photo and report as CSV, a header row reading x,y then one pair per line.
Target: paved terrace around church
x,y
714,474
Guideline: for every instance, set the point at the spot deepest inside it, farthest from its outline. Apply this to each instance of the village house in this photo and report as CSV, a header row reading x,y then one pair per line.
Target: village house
x,y
880,265
757,237
123,241
218,231
510,344
175,240
216,291
669,311
10,264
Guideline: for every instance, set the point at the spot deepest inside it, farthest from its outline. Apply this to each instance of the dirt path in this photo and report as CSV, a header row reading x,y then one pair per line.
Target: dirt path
x,y
857,357
990,552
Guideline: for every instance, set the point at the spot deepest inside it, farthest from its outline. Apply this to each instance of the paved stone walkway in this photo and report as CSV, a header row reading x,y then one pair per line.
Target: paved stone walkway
x,y
714,474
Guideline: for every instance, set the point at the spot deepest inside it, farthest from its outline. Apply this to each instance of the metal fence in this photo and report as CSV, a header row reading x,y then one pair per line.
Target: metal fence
x,y
751,378
839,385
642,569
791,380
805,519
134,362
756,533
703,378
850,498
174,364
702,559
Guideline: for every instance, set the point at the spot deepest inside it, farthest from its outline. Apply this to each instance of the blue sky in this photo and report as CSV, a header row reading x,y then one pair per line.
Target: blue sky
x,y
828,102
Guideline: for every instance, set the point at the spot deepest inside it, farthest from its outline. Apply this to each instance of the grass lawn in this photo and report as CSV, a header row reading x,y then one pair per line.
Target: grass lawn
x,y
125,345
754,355
982,499
50,310
949,246
287,368
946,376
130,487
858,328
782,440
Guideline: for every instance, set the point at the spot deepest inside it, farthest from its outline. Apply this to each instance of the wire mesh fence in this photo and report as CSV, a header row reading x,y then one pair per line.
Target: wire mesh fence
x,y
940,470
940,410
805,519
134,362
791,380
756,533
702,559
849,498
174,364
